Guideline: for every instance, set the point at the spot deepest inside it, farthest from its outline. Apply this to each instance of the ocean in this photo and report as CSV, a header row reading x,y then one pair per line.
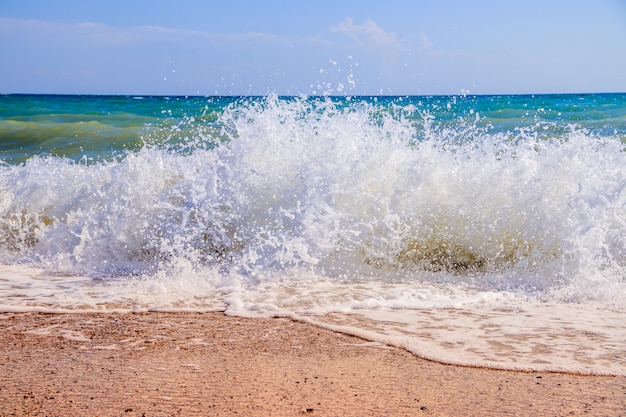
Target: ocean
x,y
475,230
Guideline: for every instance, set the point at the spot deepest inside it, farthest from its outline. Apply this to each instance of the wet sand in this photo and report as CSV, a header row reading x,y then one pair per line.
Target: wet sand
x,y
190,364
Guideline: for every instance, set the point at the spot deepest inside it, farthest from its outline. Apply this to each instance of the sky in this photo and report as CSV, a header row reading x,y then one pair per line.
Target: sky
x,y
237,47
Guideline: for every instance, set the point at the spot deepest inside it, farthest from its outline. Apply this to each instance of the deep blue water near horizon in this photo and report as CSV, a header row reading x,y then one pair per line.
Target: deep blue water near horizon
x,y
351,212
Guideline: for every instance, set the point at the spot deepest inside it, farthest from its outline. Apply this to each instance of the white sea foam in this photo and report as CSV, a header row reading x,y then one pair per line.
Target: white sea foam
x,y
351,216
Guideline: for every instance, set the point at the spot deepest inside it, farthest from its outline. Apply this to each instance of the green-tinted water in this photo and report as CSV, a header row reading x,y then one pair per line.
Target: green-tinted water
x,y
100,127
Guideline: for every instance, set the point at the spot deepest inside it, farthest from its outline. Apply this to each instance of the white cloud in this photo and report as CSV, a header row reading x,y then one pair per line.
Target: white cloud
x,y
99,58
102,34
368,32
425,41
94,57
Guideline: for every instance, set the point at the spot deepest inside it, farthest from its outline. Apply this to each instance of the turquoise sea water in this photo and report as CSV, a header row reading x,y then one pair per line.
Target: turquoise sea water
x,y
378,216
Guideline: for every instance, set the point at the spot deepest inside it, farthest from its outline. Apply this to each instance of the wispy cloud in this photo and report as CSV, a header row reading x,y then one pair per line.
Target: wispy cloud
x,y
368,32
425,42
91,32
87,56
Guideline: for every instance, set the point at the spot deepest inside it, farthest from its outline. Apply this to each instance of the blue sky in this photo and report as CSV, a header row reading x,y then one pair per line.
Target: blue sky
x,y
188,47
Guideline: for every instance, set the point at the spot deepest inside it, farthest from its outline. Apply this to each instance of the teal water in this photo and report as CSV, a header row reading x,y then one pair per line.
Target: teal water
x,y
371,215
101,127
93,127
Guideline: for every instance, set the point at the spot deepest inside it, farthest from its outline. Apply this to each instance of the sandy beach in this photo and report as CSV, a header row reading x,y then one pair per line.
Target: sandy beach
x,y
190,364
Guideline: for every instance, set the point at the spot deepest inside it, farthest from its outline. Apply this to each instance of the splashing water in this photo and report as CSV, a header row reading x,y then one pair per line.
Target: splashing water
x,y
377,216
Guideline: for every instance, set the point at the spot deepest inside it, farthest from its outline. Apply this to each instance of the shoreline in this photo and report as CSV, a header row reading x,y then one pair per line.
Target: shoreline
x,y
158,364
